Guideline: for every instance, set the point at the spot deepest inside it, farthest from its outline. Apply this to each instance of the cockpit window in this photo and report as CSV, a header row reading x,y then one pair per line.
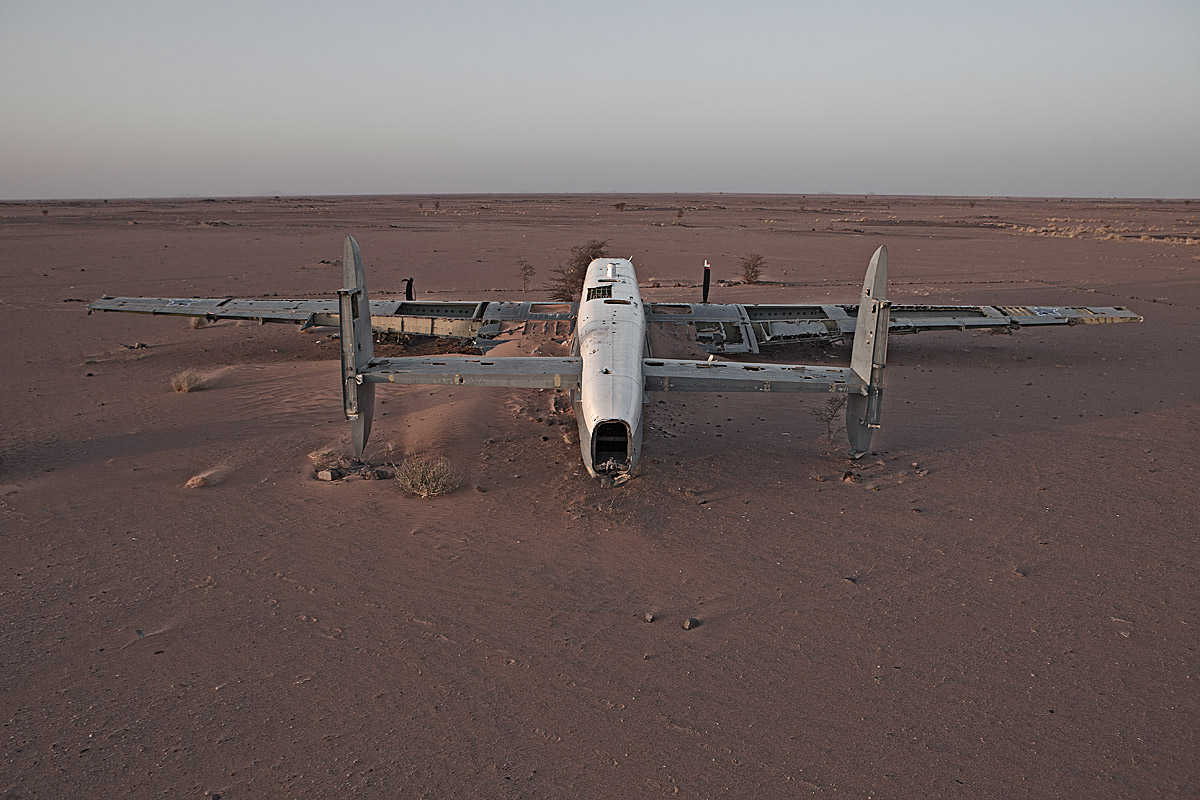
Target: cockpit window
x,y
597,292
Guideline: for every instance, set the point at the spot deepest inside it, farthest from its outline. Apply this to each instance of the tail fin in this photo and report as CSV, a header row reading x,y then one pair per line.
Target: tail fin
x,y
869,356
358,397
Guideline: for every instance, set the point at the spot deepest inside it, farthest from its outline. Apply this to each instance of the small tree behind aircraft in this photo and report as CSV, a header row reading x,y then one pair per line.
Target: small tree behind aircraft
x,y
526,271
566,280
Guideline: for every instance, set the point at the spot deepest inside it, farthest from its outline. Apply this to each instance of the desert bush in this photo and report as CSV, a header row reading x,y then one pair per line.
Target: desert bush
x,y
830,412
752,267
196,323
427,476
187,381
619,206
566,281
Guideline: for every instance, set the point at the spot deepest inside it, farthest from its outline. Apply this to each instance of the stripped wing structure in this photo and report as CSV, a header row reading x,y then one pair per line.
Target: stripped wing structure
x,y
467,319
744,328
717,327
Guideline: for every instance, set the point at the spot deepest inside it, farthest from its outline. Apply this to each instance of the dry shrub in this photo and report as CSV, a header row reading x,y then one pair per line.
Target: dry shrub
x,y
187,381
197,322
427,476
566,281
752,266
830,412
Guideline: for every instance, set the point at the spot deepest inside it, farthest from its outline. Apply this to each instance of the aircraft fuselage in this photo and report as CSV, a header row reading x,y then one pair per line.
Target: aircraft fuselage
x,y
610,337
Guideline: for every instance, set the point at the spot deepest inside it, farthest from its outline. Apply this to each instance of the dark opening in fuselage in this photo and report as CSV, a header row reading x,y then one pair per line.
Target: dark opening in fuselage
x,y
610,446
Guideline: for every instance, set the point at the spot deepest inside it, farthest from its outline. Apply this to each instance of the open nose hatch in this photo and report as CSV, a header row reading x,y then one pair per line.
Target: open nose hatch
x,y
611,446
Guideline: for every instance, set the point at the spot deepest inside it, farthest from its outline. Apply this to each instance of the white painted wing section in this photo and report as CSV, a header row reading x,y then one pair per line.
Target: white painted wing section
x,y
669,375
535,372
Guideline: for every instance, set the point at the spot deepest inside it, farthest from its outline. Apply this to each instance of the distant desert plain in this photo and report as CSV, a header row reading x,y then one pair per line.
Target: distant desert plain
x,y
1002,599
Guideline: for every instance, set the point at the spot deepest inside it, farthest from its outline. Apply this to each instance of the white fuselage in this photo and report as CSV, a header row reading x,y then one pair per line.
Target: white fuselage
x,y
610,336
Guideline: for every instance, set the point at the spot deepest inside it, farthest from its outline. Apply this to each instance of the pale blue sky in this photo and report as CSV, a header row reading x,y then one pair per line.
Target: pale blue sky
x,y
125,98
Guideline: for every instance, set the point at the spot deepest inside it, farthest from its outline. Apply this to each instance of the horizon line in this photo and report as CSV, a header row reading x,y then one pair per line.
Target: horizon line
x,y
715,193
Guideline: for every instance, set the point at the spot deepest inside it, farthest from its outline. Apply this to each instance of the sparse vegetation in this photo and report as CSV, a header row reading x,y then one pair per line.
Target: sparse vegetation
x,y
566,281
619,206
679,214
752,266
427,476
526,270
830,412
187,381
195,323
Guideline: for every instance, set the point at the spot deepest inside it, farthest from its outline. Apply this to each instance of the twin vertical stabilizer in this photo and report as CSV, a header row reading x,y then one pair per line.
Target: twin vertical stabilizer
x,y
869,355
358,397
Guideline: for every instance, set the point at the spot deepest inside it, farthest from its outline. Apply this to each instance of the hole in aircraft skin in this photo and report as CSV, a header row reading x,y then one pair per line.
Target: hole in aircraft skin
x,y
610,443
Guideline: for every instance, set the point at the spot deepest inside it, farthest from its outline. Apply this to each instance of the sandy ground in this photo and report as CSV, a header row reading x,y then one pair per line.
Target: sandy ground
x,y
1003,604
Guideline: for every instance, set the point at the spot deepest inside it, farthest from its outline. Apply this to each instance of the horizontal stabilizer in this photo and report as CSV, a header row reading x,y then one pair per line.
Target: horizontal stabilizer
x,y
525,372
675,375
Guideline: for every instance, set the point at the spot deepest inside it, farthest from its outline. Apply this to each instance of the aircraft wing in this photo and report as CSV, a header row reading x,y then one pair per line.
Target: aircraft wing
x,y
738,328
525,372
462,319
719,327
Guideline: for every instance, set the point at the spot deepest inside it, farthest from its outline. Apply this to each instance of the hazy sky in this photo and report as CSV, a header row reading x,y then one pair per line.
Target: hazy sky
x,y
118,98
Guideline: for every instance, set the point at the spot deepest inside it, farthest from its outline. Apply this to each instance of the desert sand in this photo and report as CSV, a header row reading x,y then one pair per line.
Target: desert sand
x,y
1002,603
